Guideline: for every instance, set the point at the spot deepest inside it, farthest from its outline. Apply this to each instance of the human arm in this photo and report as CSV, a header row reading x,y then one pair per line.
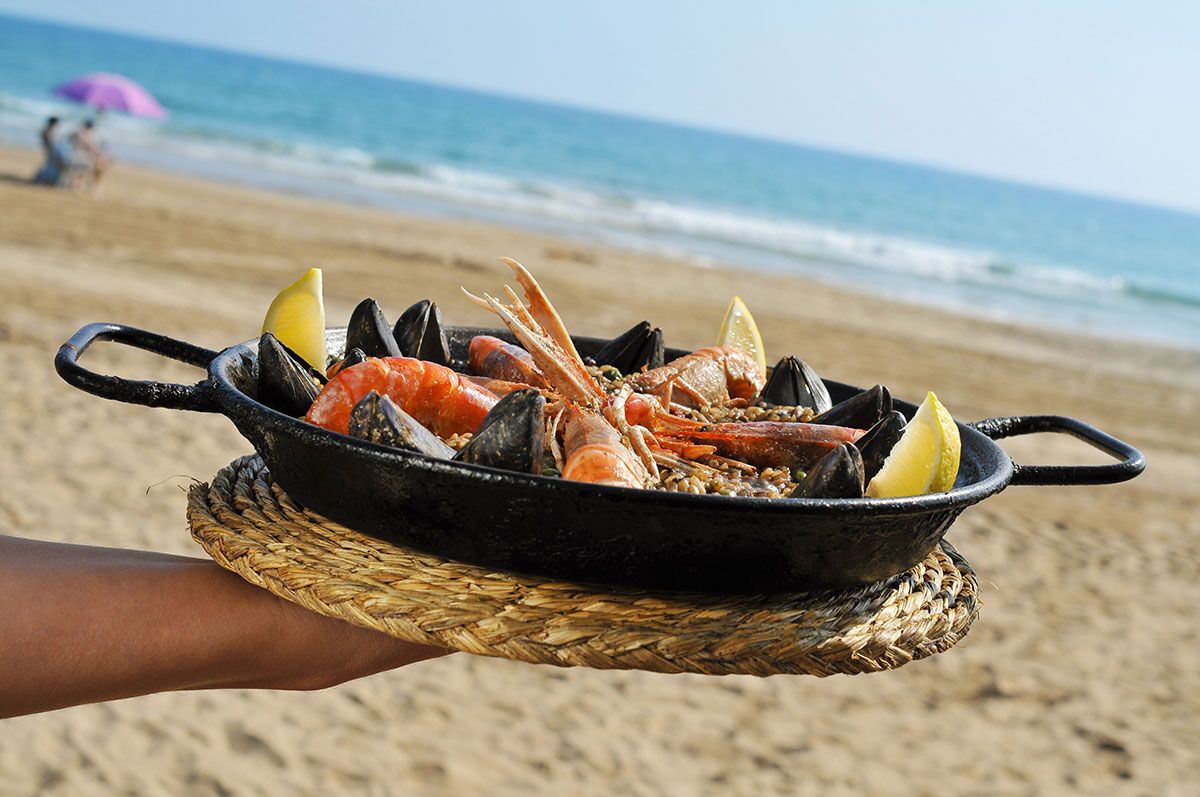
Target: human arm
x,y
80,625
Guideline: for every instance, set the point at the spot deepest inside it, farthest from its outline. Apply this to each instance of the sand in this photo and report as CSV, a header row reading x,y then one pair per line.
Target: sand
x,y
1080,675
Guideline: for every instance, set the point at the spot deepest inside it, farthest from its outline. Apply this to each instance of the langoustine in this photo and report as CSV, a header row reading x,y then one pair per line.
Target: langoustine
x,y
642,421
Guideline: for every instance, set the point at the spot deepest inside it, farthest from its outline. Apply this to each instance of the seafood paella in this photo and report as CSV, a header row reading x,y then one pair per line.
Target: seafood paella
x,y
715,420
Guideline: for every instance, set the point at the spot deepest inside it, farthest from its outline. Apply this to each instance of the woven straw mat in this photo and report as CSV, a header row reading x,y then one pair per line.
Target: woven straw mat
x,y
248,525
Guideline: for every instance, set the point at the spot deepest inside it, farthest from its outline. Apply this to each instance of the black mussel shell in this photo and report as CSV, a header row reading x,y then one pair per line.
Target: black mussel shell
x,y
794,383
878,442
377,419
284,381
368,330
300,361
510,436
859,412
353,357
641,345
838,474
419,333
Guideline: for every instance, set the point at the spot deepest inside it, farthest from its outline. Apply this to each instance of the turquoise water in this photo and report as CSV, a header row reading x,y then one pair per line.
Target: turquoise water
x,y
987,247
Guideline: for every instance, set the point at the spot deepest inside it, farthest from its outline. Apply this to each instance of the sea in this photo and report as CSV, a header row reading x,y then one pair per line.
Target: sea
x,y
995,249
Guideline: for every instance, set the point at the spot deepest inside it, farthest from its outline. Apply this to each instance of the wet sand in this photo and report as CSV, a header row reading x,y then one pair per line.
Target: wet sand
x,y
1080,675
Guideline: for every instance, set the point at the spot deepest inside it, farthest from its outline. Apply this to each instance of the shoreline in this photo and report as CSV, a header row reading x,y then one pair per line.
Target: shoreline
x,y
954,297
1133,352
1073,679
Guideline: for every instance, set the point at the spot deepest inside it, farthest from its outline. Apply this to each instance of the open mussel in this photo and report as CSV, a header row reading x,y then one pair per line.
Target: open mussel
x,y
861,411
640,345
794,383
353,357
368,330
285,382
838,474
378,419
511,434
419,333
878,442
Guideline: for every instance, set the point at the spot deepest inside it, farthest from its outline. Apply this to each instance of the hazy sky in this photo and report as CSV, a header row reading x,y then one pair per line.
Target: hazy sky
x,y
1099,96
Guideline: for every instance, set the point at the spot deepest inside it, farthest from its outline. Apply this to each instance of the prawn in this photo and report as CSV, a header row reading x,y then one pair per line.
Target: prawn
x,y
436,396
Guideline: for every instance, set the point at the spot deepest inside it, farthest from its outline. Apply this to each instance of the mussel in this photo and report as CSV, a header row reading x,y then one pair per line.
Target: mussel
x,y
378,419
368,330
419,333
353,357
794,383
284,380
318,376
511,434
838,474
640,345
878,442
861,411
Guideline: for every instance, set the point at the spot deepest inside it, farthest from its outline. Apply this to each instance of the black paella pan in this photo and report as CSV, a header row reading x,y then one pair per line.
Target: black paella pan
x,y
583,532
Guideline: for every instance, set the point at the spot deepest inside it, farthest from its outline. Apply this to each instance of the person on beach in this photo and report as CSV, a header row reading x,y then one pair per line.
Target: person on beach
x,y
55,161
89,161
83,625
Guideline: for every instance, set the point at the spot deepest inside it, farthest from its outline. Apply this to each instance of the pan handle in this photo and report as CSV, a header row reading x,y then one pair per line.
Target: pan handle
x,y
1132,462
197,397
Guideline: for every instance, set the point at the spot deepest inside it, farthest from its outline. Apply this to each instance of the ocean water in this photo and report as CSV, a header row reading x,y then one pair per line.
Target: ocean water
x,y
982,246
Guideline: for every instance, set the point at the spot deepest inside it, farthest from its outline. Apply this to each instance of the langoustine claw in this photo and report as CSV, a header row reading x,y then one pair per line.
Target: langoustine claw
x,y
540,330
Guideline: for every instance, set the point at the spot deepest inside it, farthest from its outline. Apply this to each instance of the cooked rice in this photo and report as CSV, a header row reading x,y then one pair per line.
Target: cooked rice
x,y
717,413
724,479
458,441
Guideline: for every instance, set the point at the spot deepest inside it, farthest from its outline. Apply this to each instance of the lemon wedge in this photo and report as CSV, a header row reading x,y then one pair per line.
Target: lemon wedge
x,y
924,459
739,331
297,318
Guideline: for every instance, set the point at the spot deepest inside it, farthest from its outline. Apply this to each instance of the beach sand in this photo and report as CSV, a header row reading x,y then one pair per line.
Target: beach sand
x,y
1080,675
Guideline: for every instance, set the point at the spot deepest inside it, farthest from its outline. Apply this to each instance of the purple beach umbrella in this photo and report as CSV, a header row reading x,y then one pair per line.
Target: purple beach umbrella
x,y
109,92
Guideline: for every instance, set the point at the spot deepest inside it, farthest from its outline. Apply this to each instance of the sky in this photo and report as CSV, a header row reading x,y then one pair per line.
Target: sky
x,y
1093,96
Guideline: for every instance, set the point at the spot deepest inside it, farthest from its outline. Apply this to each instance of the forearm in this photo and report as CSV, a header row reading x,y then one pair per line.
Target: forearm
x,y
84,624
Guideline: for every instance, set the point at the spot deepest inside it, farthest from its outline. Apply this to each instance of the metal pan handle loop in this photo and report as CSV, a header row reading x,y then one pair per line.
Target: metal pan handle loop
x,y
197,397
1132,462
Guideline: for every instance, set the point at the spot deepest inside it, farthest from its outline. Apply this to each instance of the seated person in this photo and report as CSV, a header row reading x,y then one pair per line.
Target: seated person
x,y
56,156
